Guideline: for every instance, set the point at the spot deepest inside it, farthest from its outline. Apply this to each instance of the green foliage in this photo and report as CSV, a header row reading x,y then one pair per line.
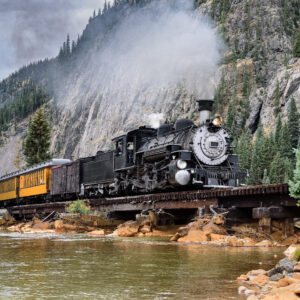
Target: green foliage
x,y
296,49
277,100
293,123
266,179
244,150
37,142
277,169
29,99
295,183
284,143
277,131
78,207
297,254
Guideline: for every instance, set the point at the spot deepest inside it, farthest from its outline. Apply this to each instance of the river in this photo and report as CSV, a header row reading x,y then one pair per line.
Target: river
x,y
82,267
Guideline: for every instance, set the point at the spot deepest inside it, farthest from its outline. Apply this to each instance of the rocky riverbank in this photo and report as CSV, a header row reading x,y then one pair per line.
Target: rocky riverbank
x,y
206,230
280,283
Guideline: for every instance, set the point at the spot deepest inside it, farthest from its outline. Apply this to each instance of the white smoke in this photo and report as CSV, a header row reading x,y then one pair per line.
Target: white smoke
x,y
159,46
155,119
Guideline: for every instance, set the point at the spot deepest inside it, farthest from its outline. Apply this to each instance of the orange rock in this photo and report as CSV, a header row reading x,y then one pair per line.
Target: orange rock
x,y
58,224
213,228
127,229
42,226
243,277
257,272
194,236
297,267
248,242
296,275
145,229
217,237
264,243
234,241
297,289
218,220
36,221
290,241
260,279
97,232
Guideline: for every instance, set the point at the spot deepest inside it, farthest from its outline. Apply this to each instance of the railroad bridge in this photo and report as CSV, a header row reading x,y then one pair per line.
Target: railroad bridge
x,y
264,203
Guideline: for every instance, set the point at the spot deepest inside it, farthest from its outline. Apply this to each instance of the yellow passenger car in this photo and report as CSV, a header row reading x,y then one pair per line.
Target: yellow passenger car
x,y
30,182
9,189
35,183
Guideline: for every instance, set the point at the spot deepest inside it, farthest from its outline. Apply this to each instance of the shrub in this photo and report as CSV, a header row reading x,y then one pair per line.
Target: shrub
x,y
297,254
78,207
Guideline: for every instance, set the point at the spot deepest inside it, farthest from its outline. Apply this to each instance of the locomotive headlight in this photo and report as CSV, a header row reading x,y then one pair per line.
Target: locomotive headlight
x,y
181,164
217,120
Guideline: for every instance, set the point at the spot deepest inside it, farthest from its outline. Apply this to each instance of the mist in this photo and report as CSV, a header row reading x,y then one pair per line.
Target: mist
x,y
33,29
162,45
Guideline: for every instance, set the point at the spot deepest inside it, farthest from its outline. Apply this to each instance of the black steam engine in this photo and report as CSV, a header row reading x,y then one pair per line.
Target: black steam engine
x,y
174,156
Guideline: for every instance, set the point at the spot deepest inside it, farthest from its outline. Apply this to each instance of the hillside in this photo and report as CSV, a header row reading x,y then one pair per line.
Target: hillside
x,y
107,82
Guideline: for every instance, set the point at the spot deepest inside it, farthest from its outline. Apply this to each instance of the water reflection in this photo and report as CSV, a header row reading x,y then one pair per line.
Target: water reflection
x,y
82,267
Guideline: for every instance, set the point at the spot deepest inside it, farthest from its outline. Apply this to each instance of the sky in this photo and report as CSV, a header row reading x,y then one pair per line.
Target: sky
x,y
35,29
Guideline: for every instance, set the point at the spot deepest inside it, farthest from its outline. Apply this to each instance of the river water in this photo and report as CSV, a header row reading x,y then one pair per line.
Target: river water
x,y
83,267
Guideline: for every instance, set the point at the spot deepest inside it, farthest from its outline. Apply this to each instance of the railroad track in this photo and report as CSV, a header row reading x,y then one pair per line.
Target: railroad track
x,y
248,196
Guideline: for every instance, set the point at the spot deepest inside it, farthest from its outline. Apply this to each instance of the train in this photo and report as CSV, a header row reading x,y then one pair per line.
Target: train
x,y
175,156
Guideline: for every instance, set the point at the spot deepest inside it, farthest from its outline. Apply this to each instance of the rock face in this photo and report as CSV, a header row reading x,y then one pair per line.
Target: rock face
x,y
259,39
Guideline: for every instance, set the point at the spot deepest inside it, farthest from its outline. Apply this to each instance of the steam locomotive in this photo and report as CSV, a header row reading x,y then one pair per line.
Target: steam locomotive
x,y
174,156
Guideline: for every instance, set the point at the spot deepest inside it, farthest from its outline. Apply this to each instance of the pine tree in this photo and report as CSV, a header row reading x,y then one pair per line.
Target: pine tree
x,y
73,46
68,47
293,123
244,151
37,143
296,50
266,179
295,183
284,143
277,169
277,132
277,100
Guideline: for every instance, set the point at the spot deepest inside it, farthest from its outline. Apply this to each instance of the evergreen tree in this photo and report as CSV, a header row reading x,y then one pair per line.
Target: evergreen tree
x,y
244,151
277,100
230,116
295,183
266,179
277,169
68,47
296,50
293,123
73,46
37,143
277,132
285,146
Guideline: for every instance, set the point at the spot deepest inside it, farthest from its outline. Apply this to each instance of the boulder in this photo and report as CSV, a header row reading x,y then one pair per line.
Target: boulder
x,y
213,228
257,272
234,241
2,221
213,237
297,267
285,265
264,243
289,241
276,277
127,229
248,242
97,232
243,277
218,220
290,252
194,236
145,229
42,226
260,279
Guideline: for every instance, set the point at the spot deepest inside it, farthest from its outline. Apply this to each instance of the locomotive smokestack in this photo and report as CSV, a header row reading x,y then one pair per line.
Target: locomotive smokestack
x,y
205,108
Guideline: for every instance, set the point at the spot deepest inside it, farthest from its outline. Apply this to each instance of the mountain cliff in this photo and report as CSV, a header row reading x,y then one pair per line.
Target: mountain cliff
x,y
138,58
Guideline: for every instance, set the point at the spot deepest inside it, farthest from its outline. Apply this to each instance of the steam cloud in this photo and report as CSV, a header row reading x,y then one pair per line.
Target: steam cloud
x,y
155,119
160,46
